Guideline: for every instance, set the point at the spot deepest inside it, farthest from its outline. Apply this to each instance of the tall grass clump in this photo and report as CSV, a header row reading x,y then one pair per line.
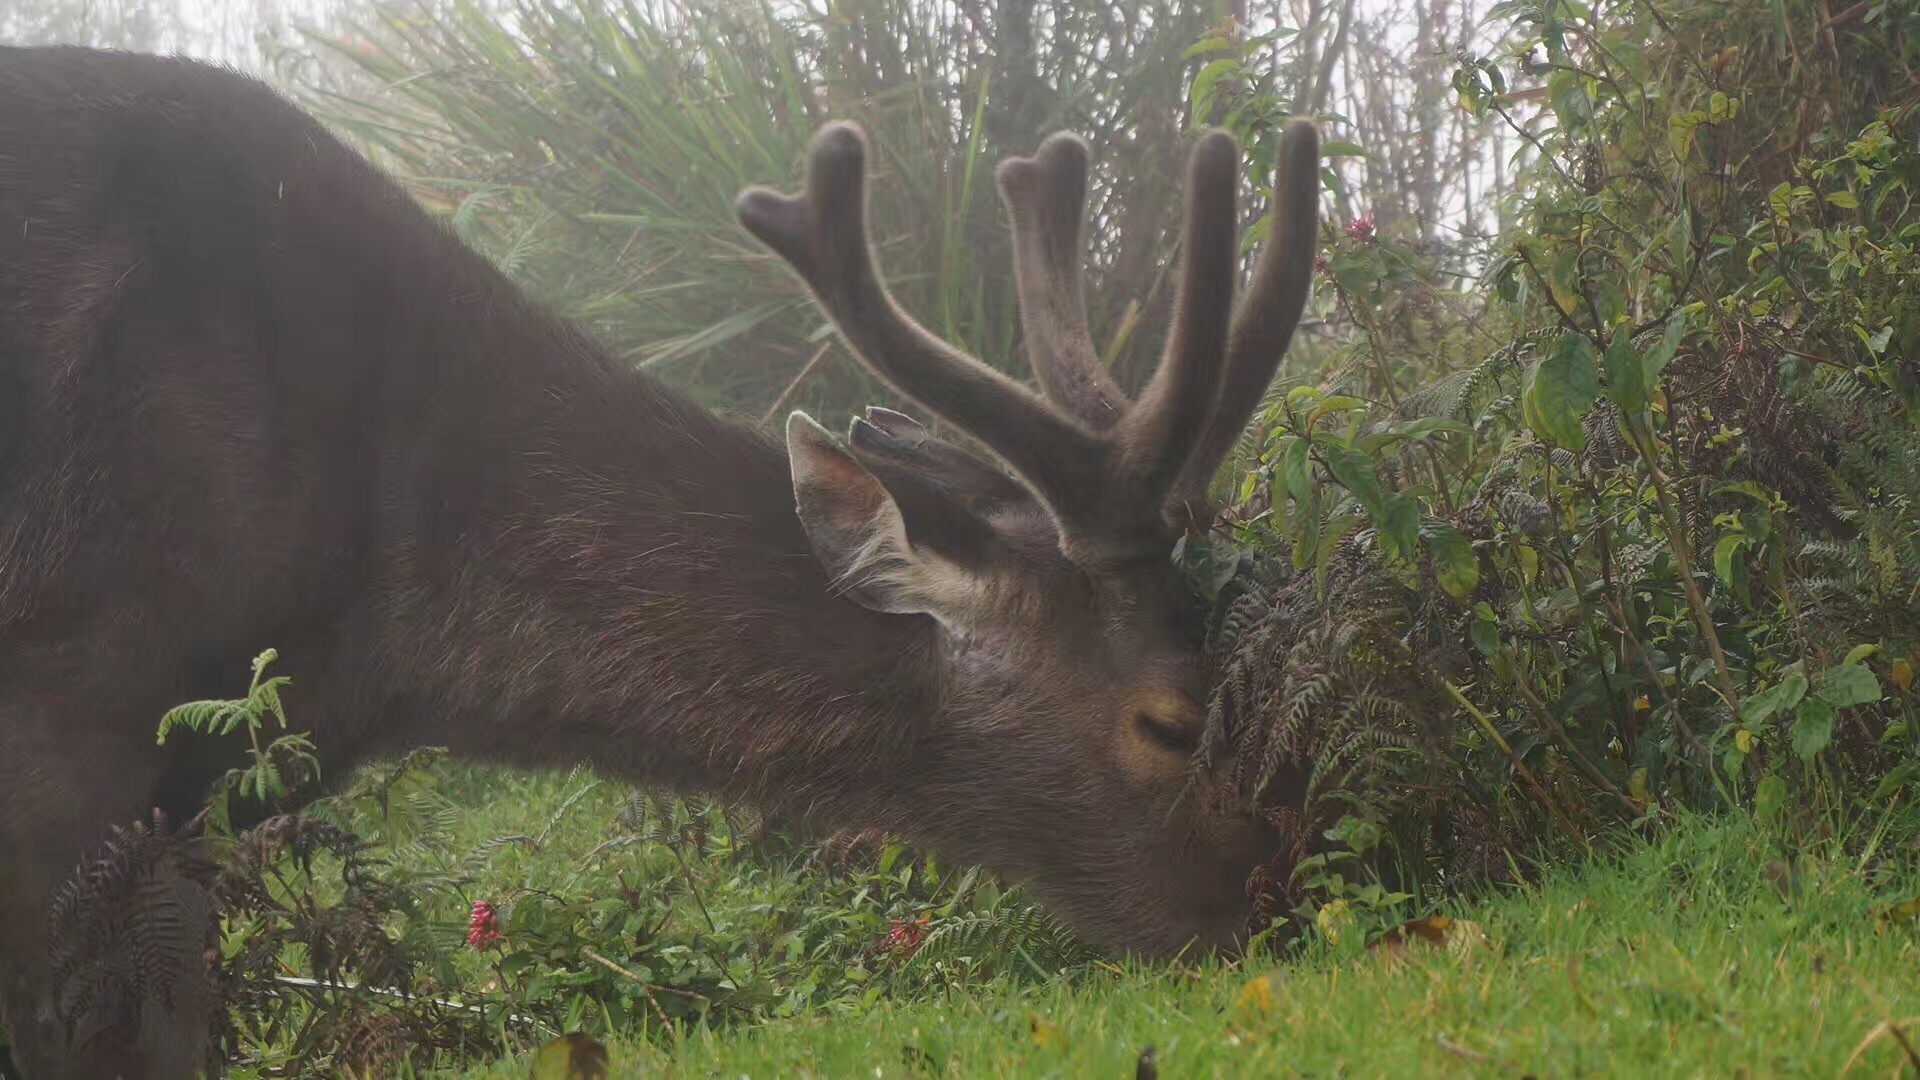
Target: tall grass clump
x,y
595,151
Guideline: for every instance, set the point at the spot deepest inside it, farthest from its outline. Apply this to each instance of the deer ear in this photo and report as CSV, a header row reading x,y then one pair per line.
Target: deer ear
x,y
866,544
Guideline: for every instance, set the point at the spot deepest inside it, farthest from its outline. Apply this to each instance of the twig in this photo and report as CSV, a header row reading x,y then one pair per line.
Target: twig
x,y
649,989
1519,766
1459,1051
361,988
1884,1028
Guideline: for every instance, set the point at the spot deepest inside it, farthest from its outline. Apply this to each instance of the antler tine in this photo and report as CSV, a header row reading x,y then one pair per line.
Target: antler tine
x,y
1266,321
1046,198
886,435
1159,435
822,235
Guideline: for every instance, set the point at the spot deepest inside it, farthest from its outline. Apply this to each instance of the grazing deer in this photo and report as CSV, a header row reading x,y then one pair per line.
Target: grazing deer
x,y
251,394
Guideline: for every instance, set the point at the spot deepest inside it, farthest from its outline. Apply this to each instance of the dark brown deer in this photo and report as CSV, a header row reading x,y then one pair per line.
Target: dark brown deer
x,y
252,394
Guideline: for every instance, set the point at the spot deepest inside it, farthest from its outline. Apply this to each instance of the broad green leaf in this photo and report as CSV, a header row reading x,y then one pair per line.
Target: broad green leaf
x,y
1484,631
1202,92
1563,279
1723,553
1780,697
1680,129
1298,471
1399,522
1812,728
1780,200
1454,562
1354,471
1560,390
1428,425
573,1056
1900,777
1626,384
1680,240
1848,684
1208,45
1528,560
1750,489
1859,653
1662,354
1845,200
1334,404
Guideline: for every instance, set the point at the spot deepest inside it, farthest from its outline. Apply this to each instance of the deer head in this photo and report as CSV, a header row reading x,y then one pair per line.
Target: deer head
x,y
1074,673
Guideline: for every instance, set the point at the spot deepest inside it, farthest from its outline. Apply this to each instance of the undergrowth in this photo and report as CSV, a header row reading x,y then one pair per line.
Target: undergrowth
x,y
1632,530
1703,953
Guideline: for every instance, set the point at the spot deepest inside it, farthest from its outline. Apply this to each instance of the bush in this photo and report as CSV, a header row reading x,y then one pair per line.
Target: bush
x,y
1645,539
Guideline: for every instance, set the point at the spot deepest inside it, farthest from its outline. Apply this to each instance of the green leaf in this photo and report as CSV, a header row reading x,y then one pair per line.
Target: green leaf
x,y
1900,777
1680,240
573,1056
1848,684
1208,45
1770,797
1780,199
1626,383
1202,91
1859,653
1723,553
1484,631
1845,200
1680,129
1663,353
1334,404
1429,425
1454,562
1298,470
1812,729
1780,697
1560,390
1399,522
1354,471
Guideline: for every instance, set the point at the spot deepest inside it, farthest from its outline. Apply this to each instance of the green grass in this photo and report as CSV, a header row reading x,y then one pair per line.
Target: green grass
x,y
1678,958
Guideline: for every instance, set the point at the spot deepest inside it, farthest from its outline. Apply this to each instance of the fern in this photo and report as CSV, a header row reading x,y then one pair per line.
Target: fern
x,y
1010,938
265,779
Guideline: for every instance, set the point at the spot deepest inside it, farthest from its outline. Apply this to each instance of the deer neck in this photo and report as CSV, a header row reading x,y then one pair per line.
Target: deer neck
x,y
610,573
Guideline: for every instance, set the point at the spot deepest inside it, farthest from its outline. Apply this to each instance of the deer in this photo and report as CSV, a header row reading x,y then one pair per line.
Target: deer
x,y
252,393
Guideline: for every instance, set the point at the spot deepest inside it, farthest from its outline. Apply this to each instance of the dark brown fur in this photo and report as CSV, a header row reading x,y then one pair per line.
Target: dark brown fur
x,y
251,395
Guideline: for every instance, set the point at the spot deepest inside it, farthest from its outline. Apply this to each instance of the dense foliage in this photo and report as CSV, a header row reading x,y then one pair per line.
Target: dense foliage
x,y
1634,529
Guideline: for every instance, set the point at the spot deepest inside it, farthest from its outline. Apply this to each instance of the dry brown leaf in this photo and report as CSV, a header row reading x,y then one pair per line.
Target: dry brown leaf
x,y
1434,930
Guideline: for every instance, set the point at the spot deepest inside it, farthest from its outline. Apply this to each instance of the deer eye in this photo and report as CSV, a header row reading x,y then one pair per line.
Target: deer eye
x,y
1179,738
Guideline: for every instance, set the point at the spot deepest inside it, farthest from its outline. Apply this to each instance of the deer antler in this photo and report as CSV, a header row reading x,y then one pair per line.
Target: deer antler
x,y
1046,196
1265,323
1110,470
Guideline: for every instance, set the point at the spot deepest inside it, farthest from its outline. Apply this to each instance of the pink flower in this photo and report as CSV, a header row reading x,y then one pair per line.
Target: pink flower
x,y
1361,228
483,926
905,935
1320,264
